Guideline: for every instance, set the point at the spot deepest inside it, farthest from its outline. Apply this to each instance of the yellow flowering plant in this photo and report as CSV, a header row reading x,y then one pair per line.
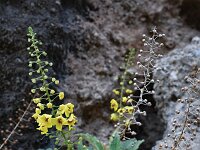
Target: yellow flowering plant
x,y
122,103
126,105
58,117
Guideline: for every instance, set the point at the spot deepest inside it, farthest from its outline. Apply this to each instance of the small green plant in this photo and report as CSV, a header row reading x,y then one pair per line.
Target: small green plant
x,y
122,103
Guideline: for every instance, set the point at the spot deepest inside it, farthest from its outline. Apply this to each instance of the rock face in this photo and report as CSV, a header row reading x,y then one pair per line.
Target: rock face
x,y
190,12
173,69
86,40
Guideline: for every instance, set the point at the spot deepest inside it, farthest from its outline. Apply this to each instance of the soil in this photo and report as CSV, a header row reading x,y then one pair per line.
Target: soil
x,y
86,40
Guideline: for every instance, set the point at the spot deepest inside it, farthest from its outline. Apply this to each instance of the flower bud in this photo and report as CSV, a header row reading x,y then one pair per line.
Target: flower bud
x,y
57,82
33,90
33,80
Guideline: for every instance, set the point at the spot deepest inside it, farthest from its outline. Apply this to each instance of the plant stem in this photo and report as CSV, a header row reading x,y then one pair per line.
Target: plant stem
x,y
13,131
176,143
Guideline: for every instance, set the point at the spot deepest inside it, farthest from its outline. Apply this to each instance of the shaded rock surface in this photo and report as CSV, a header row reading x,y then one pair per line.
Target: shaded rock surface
x,y
86,40
173,69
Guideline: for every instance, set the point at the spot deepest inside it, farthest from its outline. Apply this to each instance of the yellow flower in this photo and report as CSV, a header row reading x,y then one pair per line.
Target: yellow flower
x,y
41,106
37,112
35,116
59,122
36,100
70,107
124,99
61,95
116,92
45,120
67,109
49,105
128,91
114,117
44,129
114,104
61,110
71,121
121,111
129,109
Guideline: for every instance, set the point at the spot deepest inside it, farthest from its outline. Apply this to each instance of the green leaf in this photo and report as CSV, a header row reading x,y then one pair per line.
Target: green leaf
x,y
90,148
131,144
80,145
115,143
96,144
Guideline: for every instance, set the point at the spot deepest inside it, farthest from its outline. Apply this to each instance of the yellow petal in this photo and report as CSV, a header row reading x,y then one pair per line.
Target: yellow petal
x,y
114,117
61,95
49,105
59,127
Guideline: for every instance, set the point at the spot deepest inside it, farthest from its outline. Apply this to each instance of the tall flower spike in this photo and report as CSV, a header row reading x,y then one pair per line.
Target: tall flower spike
x,y
129,104
40,76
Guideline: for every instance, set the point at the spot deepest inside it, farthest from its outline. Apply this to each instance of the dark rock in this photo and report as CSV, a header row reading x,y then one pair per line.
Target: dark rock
x,y
190,11
172,71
